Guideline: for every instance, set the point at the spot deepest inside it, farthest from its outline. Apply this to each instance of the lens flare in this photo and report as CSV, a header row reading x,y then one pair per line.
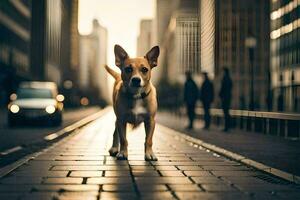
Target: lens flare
x,y
50,109
60,98
14,108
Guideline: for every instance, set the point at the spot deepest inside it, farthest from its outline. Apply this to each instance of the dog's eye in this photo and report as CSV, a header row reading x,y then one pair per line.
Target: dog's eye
x,y
144,70
128,69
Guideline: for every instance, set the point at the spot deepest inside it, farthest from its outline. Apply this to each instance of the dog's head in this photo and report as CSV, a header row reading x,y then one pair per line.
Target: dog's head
x,y
136,72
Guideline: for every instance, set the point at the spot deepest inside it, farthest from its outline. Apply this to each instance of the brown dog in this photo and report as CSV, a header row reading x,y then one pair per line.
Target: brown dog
x,y
134,99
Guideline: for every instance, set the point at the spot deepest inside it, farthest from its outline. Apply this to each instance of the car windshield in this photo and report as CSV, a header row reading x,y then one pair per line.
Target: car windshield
x,y
40,93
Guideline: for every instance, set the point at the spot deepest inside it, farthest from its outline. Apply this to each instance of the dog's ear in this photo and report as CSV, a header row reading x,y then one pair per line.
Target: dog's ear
x,y
120,55
152,56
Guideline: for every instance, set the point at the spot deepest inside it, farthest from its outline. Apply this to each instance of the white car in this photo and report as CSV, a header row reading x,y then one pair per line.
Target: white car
x,y
36,101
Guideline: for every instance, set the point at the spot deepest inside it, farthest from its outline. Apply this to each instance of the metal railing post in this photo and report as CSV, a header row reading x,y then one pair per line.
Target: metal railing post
x,y
286,135
271,123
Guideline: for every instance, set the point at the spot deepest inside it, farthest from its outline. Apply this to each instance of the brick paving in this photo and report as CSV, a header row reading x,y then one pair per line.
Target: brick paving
x,y
79,167
276,152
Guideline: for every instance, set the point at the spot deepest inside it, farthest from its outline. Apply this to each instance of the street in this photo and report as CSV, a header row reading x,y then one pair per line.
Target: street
x,y
79,167
22,135
216,82
25,135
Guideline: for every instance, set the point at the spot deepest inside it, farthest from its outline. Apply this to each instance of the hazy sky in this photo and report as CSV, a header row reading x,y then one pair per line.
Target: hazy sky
x,y
120,17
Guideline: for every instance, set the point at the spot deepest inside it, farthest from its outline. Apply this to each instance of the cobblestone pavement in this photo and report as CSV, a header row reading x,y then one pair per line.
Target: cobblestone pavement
x,y
270,150
79,167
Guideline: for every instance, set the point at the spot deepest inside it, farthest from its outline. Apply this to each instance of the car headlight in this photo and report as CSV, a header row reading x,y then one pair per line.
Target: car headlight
x,y
14,108
50,109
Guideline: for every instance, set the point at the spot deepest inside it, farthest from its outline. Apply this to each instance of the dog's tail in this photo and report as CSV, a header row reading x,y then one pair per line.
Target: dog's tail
x,y
113,73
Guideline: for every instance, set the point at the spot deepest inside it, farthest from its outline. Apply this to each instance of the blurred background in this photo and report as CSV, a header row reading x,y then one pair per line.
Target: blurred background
x,y
52,54
68,42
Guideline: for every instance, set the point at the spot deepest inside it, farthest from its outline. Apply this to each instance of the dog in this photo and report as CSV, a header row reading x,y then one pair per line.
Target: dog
x,y
134,99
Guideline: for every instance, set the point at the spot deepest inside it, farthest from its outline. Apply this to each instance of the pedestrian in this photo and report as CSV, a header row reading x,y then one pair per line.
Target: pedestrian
x,y
242,102
269,101
207,97
190,98
225,96
280,103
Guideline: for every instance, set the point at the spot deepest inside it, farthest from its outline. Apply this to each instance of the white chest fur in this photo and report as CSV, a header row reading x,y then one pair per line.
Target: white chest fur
x,y
137,113
138,108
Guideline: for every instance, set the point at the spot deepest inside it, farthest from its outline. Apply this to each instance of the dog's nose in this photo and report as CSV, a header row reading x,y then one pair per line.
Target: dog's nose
x,y
136,82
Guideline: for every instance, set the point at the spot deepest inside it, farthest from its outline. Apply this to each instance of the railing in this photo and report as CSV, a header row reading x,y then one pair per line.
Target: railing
x,y
286,125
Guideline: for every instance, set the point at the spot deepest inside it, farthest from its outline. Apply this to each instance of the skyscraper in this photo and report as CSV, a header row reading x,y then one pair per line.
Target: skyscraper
x,y
46,40
285,54
15,23
93,57
226,25
54,44
179,38
207,35
70,40
145,38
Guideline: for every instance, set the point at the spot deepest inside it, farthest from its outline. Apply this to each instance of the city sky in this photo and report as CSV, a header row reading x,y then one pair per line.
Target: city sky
x,y
120,17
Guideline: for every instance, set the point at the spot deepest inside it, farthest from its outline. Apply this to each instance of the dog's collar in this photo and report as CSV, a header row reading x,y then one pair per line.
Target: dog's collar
x,y
141,95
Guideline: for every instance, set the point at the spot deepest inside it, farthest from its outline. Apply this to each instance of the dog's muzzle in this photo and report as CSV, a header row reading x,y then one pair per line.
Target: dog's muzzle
x,y
136,82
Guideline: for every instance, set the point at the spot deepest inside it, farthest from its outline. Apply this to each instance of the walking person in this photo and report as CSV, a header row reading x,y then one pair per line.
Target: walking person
x,y
225,96
269,101
190,98
280,103
207,97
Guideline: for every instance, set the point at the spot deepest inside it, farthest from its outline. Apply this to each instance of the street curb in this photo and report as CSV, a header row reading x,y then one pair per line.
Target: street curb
x,y
76,125
51,137
242,159
9,168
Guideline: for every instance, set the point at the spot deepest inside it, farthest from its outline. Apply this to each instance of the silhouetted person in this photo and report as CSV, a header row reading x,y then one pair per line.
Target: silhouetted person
x,y
256,104
207,97
242,102
280,102
225,95
269,101
190,97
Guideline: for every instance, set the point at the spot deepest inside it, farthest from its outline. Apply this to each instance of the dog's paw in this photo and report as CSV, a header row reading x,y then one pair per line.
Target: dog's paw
x,y
122,156
113,151
150,157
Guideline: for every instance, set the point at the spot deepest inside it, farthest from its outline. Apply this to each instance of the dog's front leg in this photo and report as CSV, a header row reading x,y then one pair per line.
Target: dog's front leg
x,y
149,128
113,151
121,127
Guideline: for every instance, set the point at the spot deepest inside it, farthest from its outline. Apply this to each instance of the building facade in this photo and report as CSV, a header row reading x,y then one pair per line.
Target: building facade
x,y
235,22
226,25
93,57
69,62
70,40
39,41
46,40
164,11
207,35
180,39
145,38
187,41
54,44
15,37
285,54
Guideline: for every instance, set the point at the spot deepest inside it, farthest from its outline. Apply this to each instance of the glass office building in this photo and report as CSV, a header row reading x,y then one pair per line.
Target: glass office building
x,y
225,27
285,54
15,30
